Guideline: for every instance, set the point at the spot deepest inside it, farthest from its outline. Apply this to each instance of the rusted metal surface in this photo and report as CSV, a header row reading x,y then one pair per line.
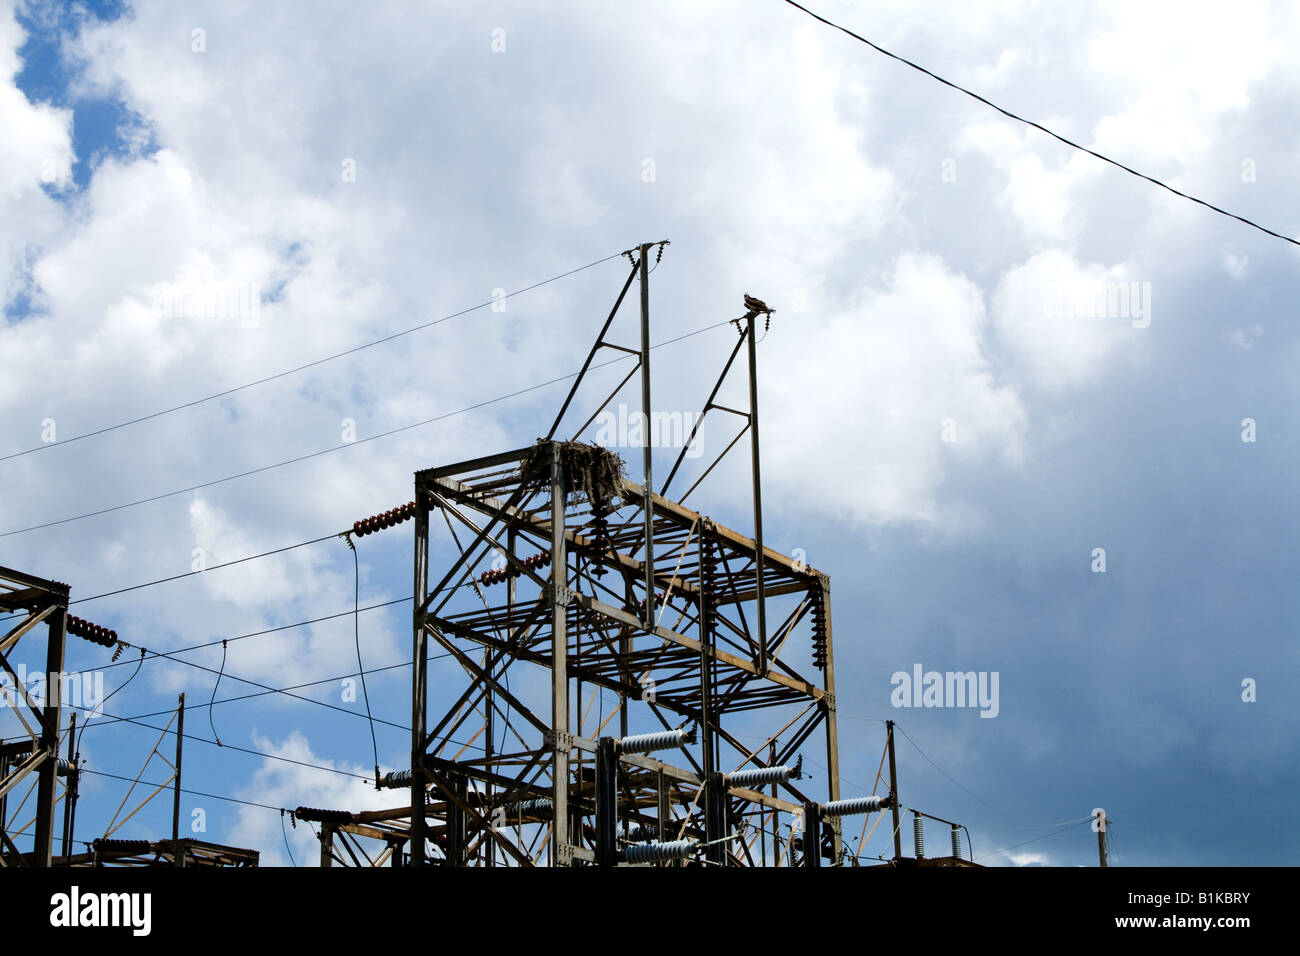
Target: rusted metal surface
x,y
44,602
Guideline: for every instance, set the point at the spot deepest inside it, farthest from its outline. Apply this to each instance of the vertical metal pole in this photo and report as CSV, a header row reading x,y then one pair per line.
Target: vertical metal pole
x,y
419,676
559,663
327,845
1103,851
456,841
706,648
832,727
43,839
72,798
771,816
893,790
716,802
606,802
624,648
69,784
490,749
664,812
646,449
758,498
176,796
812,835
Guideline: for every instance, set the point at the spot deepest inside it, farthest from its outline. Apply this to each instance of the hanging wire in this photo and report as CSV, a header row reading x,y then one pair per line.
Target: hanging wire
x,y
215,735
77,744
285,834
356,636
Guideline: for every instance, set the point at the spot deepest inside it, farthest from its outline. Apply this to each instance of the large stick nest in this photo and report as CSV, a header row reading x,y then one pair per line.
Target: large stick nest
x,y
591,472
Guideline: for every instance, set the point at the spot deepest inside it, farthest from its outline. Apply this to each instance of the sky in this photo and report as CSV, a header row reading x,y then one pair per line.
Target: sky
x,y
952,428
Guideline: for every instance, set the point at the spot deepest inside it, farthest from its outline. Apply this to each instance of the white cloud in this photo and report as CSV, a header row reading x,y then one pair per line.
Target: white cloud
x,y
277,783
1245,338
774,142
38,153
866,393
1061,321
1039,195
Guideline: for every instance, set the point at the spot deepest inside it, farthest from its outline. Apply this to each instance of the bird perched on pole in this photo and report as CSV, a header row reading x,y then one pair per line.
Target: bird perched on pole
x,y
756,306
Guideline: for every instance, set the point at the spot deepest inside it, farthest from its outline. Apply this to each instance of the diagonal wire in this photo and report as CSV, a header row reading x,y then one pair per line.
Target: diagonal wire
x,y
942,771
300,368
334,448
1044,129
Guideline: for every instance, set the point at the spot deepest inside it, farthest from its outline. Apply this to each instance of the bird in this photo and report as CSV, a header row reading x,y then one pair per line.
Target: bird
x,y
756,305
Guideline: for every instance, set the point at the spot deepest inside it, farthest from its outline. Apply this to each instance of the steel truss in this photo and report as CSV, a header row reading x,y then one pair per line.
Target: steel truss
x,y
622,592
38,602
698,661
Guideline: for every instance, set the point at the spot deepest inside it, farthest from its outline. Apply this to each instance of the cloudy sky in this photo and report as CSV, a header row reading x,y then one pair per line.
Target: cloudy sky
x,y
951,428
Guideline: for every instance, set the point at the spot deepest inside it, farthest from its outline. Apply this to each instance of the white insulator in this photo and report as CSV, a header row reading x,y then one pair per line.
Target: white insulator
x,y
956,843
844,808
647,743
660,852
918,835
761,776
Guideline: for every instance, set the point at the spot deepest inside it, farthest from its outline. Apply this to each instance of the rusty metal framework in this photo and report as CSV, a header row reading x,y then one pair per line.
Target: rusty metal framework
x,y
157,853
558,581
689,656
39,602
35,754
551,581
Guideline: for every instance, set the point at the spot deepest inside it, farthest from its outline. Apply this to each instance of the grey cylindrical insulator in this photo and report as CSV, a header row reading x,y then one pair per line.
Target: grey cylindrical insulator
x,y
647,743
761,776
642,835
526,807
61,767
396,778
956,843
918,835
659,852
844,808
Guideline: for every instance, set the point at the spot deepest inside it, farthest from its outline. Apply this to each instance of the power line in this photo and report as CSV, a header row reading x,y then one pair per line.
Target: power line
x,y
1035,839
195,793
215,567
352,444
243,680
189,574
941,770
272,690
300,368
265,690
225,746
269,630
1044,129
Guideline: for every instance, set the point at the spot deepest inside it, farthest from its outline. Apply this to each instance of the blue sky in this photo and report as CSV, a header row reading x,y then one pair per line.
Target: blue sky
x,y
911,242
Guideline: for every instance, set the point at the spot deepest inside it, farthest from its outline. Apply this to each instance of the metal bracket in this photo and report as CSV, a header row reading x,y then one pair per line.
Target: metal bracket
x,y
567,853
829,700
562,595
560,740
